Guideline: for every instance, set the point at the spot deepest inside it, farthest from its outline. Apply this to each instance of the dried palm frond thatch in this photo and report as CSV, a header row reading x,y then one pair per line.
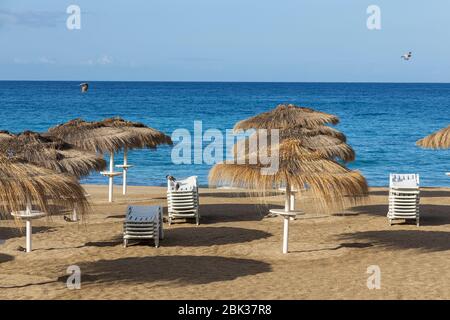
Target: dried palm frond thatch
x,y
299,132
21,182
147,137
4,134
437,140
51,153
299,166
328,146
93,136
109,135
286,116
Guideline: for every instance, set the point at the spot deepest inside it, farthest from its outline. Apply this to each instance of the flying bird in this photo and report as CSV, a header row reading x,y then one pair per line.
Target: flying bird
x,y
84,86
406,56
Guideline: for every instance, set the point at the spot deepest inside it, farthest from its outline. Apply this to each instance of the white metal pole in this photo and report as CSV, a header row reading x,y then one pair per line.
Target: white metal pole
x,y
74,214
285,234
28,226
286,219
125,169
111,170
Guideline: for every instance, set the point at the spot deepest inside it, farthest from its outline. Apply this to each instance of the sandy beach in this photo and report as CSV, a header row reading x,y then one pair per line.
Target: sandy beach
x,y
235,253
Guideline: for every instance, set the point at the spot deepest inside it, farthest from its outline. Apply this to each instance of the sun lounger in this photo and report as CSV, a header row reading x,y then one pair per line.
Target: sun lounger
x,y
183,199
143,222
404,197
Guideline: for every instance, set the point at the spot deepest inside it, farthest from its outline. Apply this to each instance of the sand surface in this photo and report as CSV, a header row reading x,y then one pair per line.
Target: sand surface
x,y
235,253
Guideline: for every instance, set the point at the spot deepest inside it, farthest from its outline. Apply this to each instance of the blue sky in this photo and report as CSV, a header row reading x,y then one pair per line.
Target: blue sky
x,y
225,40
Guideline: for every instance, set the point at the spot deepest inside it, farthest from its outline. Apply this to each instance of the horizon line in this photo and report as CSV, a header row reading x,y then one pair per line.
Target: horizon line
x,y
228,81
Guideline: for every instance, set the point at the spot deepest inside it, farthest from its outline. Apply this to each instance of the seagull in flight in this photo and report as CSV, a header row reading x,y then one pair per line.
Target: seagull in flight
x,y
406,56
84,86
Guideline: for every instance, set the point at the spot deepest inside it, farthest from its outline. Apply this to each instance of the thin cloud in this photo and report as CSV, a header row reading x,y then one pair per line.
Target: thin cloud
x,y
32,19
41,60
103,60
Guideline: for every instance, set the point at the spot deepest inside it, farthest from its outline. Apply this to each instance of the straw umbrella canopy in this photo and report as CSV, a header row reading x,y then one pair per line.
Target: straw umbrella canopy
x,y
299,165
287,116
52,153
110,136
24,186
93,136
329,143
305,123
4,135
145,136
437,140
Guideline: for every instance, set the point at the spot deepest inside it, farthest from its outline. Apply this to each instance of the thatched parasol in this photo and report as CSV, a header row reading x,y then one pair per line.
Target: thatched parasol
x,y
331,145
437,140
52,153
287,116
298,166
144,136
5,135
93,136
24,185
332,183
110,136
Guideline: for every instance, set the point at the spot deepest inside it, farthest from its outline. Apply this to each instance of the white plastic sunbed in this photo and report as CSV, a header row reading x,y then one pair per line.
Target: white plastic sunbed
x,y
143,222
183,199
404,197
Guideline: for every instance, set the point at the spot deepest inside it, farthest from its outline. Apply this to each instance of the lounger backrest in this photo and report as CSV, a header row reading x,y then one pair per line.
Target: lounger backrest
x,y
188,184
142,213
397,180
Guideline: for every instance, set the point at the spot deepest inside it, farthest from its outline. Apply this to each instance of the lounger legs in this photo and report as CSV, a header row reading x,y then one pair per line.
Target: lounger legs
x,y
125,242
417,222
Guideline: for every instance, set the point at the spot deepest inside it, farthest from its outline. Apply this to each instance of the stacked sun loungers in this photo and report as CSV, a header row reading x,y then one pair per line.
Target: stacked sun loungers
x,y
404,197
183,200
143,222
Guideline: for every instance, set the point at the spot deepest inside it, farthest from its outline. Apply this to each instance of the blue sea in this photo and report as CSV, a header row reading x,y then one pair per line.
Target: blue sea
x,y
382,121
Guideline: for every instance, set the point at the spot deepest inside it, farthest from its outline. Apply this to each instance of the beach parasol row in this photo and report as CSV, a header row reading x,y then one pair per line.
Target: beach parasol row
x,y
110,136
39,172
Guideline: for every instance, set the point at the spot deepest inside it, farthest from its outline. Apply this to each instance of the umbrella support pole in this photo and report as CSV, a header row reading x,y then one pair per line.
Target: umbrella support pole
x,y
111,174
111,169
125,169
286,218
29,228
29,232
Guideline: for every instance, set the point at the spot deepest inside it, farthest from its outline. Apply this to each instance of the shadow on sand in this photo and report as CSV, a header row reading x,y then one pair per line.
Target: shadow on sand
x,y
12,232
430,214
424,193
227,212
177,269
351,245
193,237
5,258
239,194
404,239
